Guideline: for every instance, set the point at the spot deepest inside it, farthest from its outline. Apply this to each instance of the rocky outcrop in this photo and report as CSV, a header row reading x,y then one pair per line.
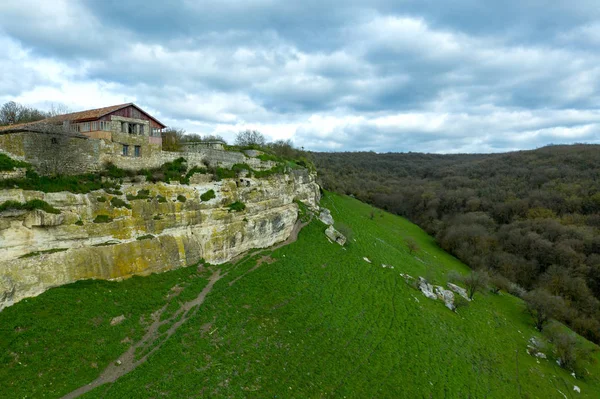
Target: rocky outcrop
x,y
158,233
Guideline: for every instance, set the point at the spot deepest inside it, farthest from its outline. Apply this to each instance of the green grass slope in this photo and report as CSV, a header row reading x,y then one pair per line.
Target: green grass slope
x,y
319,321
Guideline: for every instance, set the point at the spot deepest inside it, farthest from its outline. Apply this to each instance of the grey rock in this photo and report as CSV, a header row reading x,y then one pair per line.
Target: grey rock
x,y
335,235
325,217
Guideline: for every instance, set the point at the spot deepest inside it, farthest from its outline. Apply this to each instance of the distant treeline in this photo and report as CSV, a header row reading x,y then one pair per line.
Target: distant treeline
x,y
531,216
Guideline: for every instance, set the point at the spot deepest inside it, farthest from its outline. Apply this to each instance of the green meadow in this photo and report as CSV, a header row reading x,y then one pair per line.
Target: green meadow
x,y
314,320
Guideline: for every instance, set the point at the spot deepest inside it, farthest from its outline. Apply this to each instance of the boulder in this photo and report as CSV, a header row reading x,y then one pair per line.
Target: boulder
x,y
325,217
445,295
426,288
459,290
335,235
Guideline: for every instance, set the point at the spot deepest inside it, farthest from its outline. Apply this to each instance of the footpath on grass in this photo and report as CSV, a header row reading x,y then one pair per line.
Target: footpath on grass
x,y
154,339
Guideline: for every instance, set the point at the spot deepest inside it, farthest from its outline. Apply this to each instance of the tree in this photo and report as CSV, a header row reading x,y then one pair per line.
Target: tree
x,y
12,113
475,281
250,138
542,306
172,138
412,245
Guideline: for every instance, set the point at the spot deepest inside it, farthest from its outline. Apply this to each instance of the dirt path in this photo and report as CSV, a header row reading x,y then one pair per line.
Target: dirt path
x,y
150,342
153,340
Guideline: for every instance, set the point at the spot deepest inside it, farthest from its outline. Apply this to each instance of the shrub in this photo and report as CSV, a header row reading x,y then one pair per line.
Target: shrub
x,y
29,206
157,217
141,194
8,164
181,198
411,244
119,203
79,222
161,199
145,237
207,196
101,199
48,251
237,206
102,219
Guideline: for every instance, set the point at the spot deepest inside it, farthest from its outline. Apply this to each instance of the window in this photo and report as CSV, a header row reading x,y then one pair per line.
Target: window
x,y
137,151
131,128
54,140
123,127
141,129
125,150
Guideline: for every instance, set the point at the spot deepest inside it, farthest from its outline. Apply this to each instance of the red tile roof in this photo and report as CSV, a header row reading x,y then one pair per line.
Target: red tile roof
x,y
82,116
89,114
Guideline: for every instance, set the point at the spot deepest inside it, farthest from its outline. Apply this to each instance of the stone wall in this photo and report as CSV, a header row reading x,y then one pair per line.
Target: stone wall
x,y
183,232
52,153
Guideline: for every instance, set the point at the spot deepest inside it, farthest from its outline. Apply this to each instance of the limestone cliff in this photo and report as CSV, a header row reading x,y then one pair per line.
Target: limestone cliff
x,y
161,232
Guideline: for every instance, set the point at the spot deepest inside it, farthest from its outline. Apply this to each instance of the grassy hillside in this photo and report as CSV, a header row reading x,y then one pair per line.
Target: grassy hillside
x,y
313,320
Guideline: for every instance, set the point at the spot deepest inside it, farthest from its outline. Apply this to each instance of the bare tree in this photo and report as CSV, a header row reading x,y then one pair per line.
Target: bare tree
x,y
12,113
475,281
412,245
542,306
58,109
250,138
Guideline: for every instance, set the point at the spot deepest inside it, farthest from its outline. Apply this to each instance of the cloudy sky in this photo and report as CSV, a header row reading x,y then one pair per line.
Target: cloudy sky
x,y
381,75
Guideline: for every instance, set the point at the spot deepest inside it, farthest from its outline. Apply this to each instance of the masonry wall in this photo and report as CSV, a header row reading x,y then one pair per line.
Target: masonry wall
x,y
75,155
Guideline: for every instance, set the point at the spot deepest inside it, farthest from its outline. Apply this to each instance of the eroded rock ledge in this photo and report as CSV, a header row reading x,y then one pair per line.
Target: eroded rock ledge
x,y
158,233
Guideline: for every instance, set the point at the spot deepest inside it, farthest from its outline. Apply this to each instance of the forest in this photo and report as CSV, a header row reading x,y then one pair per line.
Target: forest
x,y
530,219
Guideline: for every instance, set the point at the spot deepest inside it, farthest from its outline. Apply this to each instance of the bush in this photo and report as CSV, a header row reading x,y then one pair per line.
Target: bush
x,y
80,184
103,219
29,206
141,194
101,199
145,237
207,196
119,203
411,244
237,206
8,164
79,222
570,352
181,198
161,199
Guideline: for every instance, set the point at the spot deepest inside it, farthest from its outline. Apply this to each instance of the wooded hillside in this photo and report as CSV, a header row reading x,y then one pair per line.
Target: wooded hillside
x,y
530,216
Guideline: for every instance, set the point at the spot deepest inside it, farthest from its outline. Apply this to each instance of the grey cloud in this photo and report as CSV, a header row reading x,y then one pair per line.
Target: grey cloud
x,y
459,77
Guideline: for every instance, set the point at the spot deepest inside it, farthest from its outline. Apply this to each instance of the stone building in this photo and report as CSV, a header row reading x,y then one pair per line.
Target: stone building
x,y
82,141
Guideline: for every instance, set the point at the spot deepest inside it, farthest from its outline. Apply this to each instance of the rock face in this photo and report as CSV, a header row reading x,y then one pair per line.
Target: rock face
x,y
335,235
40,250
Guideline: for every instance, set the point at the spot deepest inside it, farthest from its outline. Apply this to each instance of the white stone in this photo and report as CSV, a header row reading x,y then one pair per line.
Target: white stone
x,y
426,288
576,389
117,320
325,217
335,235
367,260
459,290
445,295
